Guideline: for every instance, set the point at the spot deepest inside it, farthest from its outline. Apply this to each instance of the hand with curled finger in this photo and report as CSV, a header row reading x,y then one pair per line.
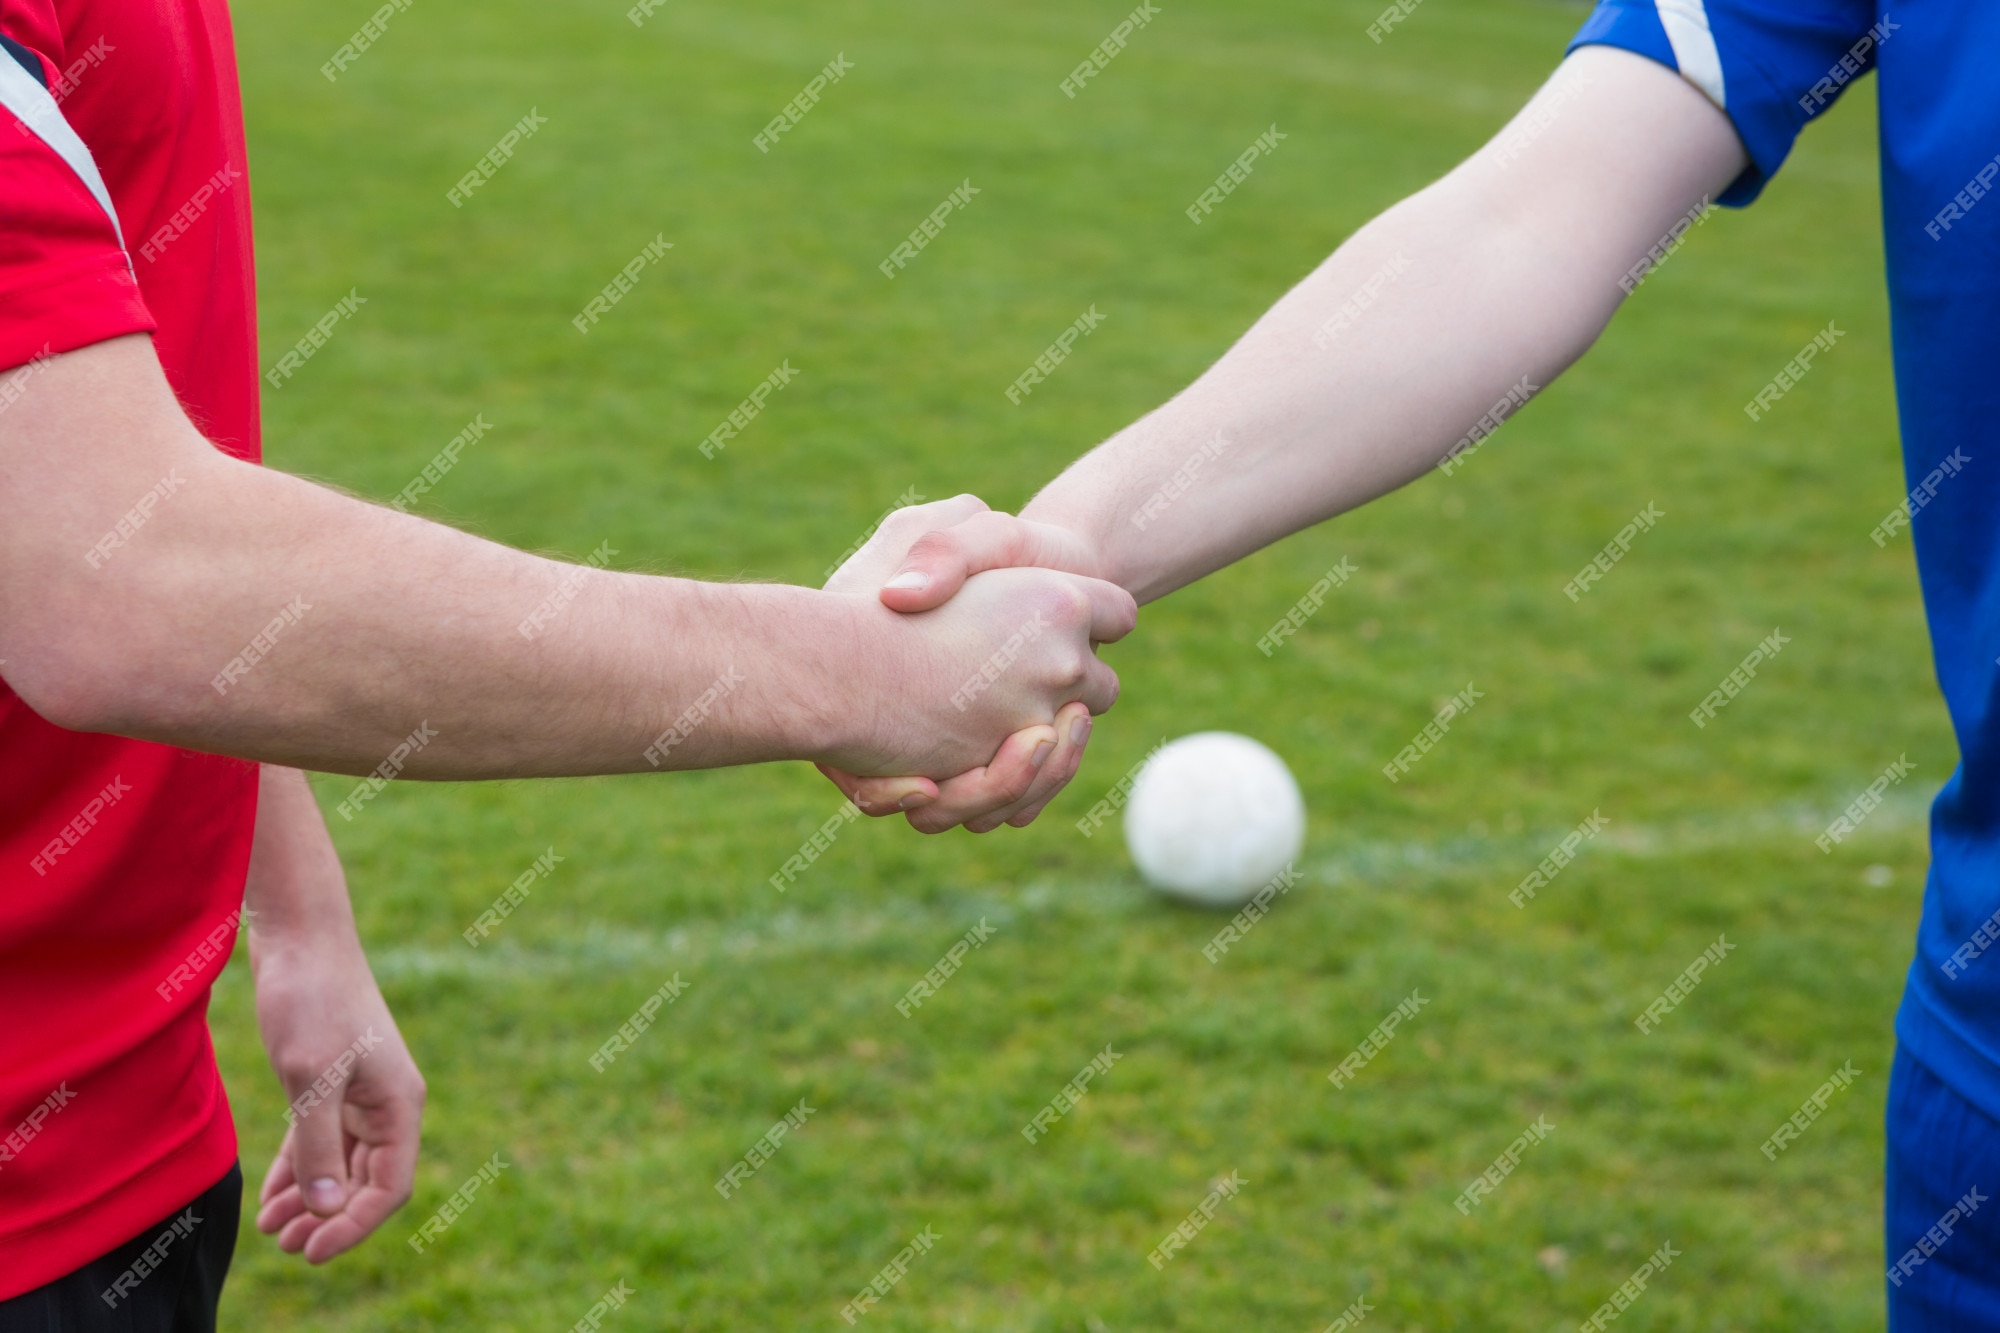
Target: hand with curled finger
x,y
1037,760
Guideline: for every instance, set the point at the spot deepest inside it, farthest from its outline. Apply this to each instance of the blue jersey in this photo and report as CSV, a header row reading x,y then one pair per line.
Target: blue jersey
x,y
1773,66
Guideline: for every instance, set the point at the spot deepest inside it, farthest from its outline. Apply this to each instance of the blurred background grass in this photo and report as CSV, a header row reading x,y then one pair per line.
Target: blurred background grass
x,y
901,385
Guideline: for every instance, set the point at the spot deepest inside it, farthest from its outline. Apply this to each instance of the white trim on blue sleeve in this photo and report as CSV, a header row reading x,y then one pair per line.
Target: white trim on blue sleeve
x,y
1686,23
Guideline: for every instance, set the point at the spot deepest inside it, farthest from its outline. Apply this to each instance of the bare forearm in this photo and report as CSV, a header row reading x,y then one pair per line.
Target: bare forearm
x,y
1471,294
356,1095
340,631
259,615
295,888
250,613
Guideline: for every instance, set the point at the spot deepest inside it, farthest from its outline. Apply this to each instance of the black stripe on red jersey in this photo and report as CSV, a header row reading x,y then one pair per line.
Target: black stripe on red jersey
x,y
25,58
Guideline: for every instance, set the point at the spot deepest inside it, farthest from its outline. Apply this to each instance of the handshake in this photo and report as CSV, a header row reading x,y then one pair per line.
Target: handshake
x,y
979,633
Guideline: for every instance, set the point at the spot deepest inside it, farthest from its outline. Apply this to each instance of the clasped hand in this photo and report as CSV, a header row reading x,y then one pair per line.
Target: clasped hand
x,y
1035,598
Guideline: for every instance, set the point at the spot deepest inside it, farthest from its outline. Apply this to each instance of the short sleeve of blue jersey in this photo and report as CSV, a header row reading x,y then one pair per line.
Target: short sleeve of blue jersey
x,y
1771,65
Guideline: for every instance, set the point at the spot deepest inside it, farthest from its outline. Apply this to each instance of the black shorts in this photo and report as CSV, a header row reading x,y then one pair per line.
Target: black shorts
x,y
166,1279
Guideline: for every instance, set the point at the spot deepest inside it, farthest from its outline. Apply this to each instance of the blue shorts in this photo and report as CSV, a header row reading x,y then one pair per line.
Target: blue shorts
x,y
1941,1213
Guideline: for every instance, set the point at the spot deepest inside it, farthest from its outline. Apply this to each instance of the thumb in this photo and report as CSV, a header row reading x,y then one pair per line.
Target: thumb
x,y
939,562
319,1154
880,796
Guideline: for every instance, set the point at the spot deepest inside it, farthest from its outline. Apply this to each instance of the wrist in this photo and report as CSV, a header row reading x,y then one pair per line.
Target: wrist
x,y
822,651
1082,531
295,892
289,953
274,933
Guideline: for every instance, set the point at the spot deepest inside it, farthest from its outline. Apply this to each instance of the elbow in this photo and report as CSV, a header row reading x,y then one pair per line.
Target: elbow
x,y
67,698
83,676
65,689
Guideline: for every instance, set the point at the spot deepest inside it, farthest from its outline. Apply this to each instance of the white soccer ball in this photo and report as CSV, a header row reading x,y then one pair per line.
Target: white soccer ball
x,y
1214,817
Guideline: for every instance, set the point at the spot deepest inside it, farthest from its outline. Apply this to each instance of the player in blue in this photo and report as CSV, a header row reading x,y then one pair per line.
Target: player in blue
x,y
1435,321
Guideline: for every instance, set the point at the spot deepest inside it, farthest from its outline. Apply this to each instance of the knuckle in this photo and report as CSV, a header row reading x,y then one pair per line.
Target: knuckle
x,y
990,523
934,544
1109,689
964,505
1068,604
1066,675
1015,539
912,521
904,524
1078,601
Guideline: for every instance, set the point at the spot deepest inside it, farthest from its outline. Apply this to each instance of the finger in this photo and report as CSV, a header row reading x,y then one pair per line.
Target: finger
x,y
279,1201
1113,612
1099,688
913,521
880,796
384,1174
371,1206
940,561
997,786
279,1177
319,1155
275,1213
1072,728
1062,766
382,1166
334,1237
864,570
293,1236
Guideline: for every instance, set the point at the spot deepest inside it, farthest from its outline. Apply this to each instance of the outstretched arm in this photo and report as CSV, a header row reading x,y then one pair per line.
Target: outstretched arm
x,y
1462,299
152,586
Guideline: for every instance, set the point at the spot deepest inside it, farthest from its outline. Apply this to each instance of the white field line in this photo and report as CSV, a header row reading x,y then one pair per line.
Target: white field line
x,y
1771,826
604,947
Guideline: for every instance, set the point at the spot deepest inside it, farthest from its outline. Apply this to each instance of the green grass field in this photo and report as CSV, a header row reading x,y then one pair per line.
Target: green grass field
x,y
900,385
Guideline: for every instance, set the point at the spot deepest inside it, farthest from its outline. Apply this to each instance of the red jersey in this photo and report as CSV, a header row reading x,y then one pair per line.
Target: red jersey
x,y
121,862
